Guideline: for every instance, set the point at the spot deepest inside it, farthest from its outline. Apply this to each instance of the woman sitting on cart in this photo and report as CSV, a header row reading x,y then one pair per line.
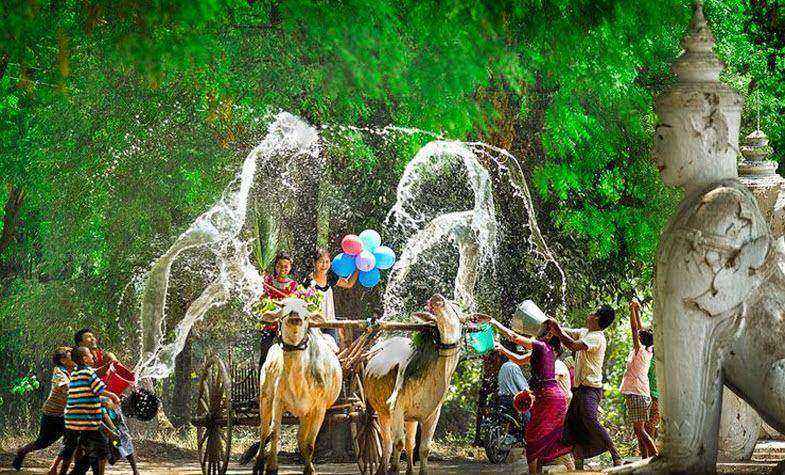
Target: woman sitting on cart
x,y
322,279
276,287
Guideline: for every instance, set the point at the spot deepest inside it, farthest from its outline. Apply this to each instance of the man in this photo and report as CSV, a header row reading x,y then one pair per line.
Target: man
x,y
101,360
582,426
52,422
511,381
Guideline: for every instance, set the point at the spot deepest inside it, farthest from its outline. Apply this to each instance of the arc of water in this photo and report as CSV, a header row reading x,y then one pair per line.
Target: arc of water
x,y
217,229
517,178
473,232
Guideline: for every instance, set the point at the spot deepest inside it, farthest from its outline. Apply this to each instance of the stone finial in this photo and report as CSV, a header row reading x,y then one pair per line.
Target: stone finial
x,y
697,139
759,174
698,68
756,147
698,63
755,153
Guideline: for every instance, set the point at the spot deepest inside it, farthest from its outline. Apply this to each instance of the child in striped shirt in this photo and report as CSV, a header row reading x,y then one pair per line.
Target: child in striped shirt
x,y
83,413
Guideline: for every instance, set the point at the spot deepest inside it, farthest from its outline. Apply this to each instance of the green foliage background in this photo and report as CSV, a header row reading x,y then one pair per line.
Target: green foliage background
x,y
120,122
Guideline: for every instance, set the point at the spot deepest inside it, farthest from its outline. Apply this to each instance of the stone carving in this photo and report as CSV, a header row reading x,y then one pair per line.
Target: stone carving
x,y
740,427
720,284
759,174
740,424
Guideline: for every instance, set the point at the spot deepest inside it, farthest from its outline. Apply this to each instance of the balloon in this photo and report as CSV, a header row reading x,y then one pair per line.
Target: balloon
x,y
365,261
385,257
369,278
351,244
343,265
370,239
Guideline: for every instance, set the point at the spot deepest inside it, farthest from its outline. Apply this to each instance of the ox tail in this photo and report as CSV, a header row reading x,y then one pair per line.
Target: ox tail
x,y
250,452
393,399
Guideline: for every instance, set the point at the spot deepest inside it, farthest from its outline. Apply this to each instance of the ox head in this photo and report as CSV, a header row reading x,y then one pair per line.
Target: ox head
x,y
448,317
294,318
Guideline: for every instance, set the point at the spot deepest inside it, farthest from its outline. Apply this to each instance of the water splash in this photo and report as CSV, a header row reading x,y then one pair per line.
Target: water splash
x,y
461,218
218,230
473,232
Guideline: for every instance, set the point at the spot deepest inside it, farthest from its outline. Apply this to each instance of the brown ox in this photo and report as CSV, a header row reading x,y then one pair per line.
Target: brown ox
x,y
407,385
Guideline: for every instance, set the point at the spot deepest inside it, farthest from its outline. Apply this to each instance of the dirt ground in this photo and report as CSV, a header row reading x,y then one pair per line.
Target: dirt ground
x,y
177,461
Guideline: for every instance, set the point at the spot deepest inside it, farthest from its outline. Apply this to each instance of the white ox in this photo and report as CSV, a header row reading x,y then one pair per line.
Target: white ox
x,y
301,375
406,385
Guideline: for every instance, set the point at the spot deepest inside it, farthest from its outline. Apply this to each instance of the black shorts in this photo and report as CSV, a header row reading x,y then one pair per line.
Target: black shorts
x,y
92,441
52,428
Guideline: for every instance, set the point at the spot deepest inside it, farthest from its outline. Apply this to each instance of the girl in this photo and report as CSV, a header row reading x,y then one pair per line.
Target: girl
x,y
549,409
635,385
279,285
322,279
276,286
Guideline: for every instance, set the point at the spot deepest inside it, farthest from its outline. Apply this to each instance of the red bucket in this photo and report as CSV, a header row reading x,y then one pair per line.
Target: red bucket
x,y
118,378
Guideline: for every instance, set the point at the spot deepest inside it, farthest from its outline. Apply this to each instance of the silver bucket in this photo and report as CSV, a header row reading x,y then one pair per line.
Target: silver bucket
x,y
528,318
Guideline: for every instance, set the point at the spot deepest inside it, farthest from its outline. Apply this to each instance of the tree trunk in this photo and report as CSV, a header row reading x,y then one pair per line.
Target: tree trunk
x,y
304,222
13,205
180,405
3,65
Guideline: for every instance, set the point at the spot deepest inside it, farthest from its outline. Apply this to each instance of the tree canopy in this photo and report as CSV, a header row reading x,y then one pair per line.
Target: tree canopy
x,y
122,121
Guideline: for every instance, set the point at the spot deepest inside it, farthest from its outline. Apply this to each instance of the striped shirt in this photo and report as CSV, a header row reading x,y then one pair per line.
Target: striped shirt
x,y
58,395
83,409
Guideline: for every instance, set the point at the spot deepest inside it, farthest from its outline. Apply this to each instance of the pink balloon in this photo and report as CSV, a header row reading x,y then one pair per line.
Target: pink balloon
x,y
365,261
352,245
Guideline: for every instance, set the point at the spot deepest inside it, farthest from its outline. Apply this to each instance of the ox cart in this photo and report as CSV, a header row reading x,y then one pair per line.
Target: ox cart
x,y
228,397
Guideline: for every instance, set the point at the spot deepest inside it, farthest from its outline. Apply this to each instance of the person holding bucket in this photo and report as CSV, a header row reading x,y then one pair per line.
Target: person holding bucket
x,y
583,429
101,360
549,407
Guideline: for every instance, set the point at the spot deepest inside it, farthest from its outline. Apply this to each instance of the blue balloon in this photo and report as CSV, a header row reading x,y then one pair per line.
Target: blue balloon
x,y
385,257
370,278
370,239
343,265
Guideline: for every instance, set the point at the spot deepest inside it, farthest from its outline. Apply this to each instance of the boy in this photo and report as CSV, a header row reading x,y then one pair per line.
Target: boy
x,y
116,429
83,414
52,422
101,359
582,427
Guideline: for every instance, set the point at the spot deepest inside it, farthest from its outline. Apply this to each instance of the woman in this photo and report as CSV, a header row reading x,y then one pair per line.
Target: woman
x,y
322,279
635,385
544,431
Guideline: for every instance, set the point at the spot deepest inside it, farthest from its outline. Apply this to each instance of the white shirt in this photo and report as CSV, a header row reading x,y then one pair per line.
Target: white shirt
x,y
563,378
588,364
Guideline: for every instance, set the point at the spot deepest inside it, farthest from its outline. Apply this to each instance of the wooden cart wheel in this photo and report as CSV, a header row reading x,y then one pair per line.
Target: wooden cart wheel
x,y
368,433
213,408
